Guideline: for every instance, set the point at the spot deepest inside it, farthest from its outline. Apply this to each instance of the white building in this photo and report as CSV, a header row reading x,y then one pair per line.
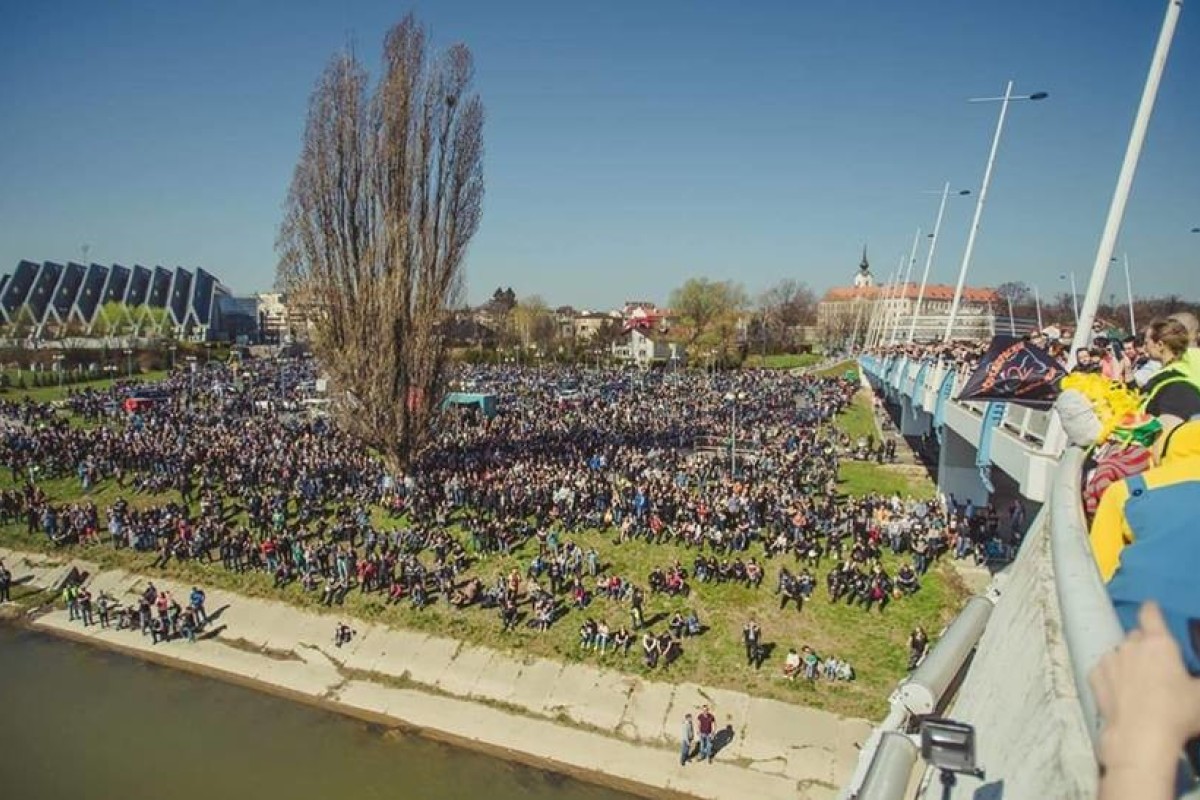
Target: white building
x,y
647,348
866,313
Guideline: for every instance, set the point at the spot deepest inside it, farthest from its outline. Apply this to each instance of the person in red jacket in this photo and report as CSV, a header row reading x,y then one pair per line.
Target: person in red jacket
x,y
706,722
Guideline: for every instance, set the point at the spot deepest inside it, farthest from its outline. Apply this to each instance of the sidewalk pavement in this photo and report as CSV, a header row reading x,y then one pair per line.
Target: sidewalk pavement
x,y
574,717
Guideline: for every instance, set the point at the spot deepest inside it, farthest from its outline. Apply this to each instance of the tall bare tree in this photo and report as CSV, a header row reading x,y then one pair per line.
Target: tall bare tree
x,y
384,200
781,309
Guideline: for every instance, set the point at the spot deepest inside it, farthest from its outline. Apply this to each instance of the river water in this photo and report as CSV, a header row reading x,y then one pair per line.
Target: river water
x,y
78,723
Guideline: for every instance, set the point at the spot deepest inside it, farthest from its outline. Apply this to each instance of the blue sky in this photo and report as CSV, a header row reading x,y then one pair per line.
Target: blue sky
x,y
630,145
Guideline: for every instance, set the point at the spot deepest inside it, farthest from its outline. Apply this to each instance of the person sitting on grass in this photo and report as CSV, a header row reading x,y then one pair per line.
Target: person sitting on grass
x,y
587,634
508,614
602,637
622,640
650,650
791,664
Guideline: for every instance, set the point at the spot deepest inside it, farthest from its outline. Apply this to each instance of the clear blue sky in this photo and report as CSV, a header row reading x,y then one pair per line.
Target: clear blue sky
x,y
630,145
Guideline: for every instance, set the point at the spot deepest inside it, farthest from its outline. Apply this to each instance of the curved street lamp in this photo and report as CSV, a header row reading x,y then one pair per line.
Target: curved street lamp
x,y
937,227
1004,100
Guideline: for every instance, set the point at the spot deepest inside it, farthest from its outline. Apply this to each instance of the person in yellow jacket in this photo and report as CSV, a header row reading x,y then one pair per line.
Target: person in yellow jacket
x,y
1110,529
1191,359
1173,393
1145,543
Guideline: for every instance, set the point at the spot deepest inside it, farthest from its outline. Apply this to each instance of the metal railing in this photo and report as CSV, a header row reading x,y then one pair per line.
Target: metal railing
x,y
1090,624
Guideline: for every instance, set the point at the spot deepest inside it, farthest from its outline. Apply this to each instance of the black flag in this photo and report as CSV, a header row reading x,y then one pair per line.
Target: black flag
x,y
1016,371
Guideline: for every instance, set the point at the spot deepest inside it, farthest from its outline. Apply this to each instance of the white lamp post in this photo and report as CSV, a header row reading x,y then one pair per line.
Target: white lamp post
x,y
1074,300
933,240
1133,151
1129,295
903,293
1004,100
733,400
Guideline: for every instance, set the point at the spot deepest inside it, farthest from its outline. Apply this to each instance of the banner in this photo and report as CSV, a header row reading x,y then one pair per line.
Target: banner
x,y
1015,371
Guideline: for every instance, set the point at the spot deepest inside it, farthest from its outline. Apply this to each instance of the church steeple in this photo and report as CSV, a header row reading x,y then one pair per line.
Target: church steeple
x,y
864,277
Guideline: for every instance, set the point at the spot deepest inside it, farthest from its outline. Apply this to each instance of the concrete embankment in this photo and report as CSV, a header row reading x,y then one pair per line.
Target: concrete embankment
x,y
600,725
1020,695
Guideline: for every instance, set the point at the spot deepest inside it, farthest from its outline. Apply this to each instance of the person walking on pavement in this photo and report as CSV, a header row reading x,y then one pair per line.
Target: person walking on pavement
x,y
686,737
707,721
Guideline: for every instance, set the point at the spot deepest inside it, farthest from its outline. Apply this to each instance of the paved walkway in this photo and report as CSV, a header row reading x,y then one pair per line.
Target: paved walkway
x,y
572,717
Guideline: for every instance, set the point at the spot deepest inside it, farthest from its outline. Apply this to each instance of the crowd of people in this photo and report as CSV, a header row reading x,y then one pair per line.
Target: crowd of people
x,y
155,613
219,466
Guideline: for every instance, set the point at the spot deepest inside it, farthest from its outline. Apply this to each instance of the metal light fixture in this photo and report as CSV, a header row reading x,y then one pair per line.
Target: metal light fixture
x,y
950,747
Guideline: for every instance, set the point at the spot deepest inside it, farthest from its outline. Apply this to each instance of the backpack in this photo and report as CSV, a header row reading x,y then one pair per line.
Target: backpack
x,y
1161,562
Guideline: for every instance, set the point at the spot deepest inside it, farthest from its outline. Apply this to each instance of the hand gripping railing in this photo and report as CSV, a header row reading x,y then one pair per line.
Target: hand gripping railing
x,y
1089,622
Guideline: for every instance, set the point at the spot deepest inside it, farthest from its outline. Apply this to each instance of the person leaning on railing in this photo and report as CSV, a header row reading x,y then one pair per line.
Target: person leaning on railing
x,y
1145,543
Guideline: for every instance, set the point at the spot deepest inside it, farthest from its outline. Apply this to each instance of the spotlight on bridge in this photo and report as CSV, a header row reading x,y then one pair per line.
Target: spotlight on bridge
x,y
949,746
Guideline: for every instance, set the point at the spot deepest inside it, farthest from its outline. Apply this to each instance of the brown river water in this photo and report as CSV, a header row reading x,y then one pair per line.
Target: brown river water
x,y
80,722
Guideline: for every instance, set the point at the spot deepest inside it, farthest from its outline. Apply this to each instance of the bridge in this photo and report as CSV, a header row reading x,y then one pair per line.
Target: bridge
x,y
1014,662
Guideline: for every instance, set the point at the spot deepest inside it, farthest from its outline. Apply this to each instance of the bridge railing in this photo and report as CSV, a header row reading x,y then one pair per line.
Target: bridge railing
x,y
1090,624
1028,424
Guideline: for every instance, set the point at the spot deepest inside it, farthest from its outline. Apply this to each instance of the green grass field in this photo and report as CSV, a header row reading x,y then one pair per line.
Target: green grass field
x,y
782,361
874,643
838,370
860,478
49,394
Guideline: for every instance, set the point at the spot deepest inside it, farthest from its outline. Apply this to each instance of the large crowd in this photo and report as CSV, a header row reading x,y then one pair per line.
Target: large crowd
x,y
223,465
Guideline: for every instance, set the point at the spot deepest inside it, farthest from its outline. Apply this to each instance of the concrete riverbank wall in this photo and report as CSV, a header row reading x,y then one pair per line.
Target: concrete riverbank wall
x,y
600,725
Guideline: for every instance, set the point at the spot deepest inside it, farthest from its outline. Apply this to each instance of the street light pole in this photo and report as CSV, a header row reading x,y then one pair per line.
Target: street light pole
x,y
912,260
937,227
1074,302
1037,302
733,399
1129,293
881,314
1133,151
983,190
733,442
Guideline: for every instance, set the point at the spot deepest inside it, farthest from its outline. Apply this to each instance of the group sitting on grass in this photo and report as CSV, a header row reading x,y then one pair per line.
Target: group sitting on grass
x,y
810,666
261,489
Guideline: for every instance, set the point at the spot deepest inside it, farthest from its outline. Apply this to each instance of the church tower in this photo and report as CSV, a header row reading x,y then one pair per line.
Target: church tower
x,y
864,278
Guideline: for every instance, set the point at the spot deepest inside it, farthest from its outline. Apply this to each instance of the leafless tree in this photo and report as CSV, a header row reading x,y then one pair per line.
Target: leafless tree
x,y
384,200
781,309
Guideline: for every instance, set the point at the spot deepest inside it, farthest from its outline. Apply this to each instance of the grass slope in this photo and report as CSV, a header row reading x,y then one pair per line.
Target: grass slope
x,y
49,394
782,361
